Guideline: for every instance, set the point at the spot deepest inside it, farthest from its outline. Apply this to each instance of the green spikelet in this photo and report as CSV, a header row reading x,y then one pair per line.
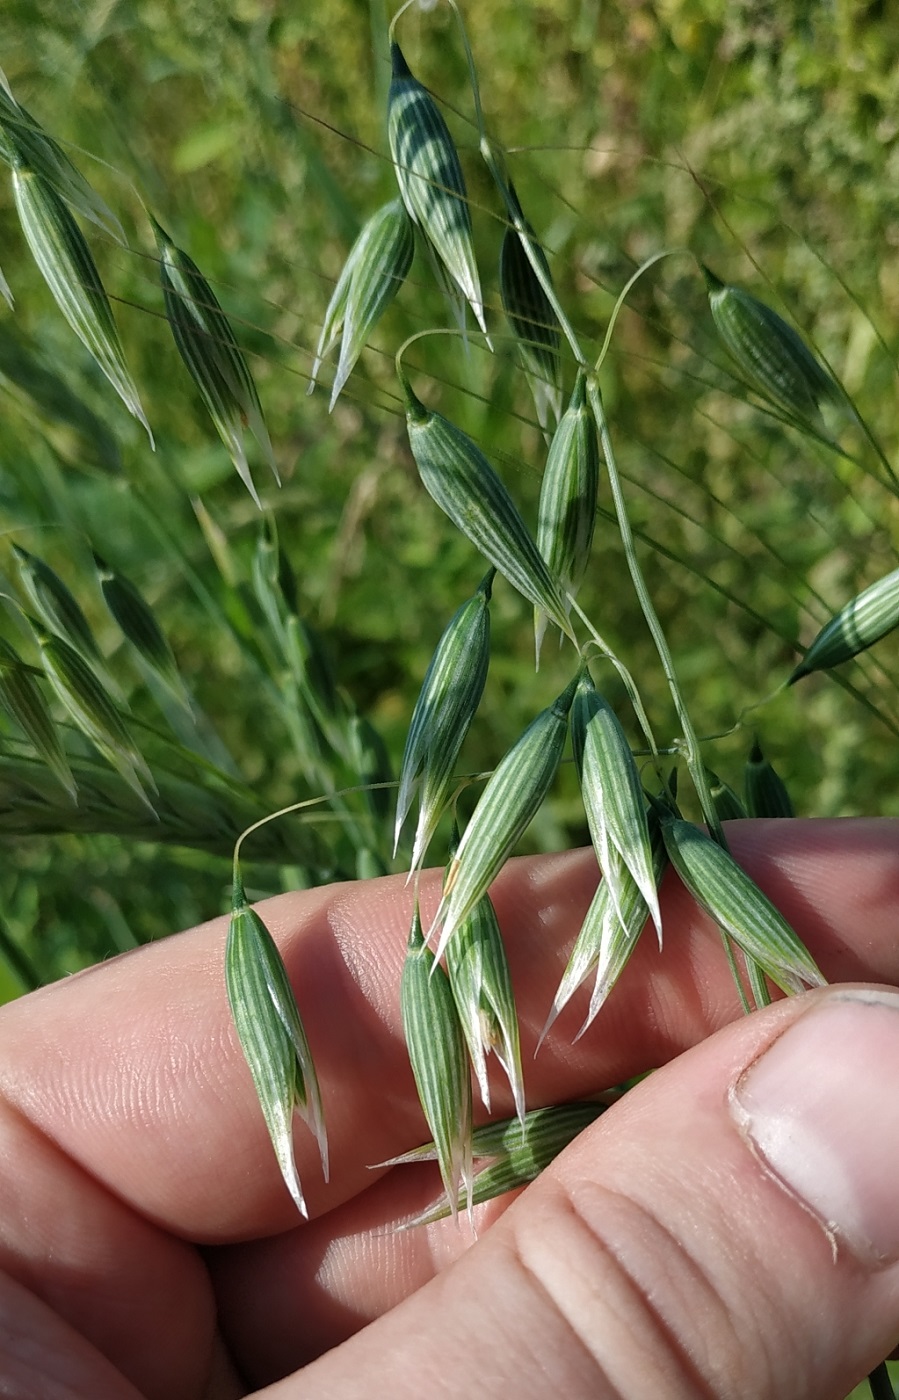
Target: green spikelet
x,y
430,178
774,358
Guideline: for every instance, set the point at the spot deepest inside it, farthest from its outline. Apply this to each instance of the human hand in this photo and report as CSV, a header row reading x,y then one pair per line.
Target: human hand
x,y
149,1248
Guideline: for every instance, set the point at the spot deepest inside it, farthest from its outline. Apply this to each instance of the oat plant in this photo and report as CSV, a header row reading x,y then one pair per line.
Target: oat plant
x,y
109,729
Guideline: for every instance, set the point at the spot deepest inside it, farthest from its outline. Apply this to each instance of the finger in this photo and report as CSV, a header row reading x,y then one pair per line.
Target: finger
x,y
838,881
730,1228
40,1355
134,1071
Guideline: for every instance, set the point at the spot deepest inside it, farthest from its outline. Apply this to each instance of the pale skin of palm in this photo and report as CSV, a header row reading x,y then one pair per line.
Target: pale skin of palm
x,y
149,1249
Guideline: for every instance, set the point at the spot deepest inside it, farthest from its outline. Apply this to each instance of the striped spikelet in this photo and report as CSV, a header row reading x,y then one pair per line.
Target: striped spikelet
x,y
372,275
446,705
514,1152
766,792
67,266
510,800
21,697
482,986
774,358
90,708
272,1039
871,615
431,182
213,358
457,475
436,1048
567,512
738,906
23,140
531,316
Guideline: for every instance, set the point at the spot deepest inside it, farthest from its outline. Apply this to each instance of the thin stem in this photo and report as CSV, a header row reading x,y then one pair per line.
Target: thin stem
x,y
880,1385
691,743
472,71
622,296
627,679
396,18
516,219
513,209
302,806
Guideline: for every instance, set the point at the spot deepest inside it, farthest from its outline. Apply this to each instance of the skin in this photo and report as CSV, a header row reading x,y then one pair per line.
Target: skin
x,y
148,1247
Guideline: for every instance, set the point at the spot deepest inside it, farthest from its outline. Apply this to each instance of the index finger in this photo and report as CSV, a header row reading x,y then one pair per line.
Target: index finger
x,y
134,1071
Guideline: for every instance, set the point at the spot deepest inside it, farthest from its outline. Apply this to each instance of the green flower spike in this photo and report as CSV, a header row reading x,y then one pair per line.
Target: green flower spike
x,y
272,1038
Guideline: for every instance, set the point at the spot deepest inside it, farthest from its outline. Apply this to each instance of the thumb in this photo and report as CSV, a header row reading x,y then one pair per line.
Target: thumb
x,y
729,1229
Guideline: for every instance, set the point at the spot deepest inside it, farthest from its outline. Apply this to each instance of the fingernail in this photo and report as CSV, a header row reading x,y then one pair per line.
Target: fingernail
x,y
820,1110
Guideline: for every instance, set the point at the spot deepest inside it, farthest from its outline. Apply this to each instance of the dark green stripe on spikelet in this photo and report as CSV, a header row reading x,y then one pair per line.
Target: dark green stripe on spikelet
x,y
460,479
528,309
439,1061
67,266
510,800
430,179
766,791
138,624
56,605
214,360
728,805
770,353
88,705
446,705
479,976
23,139
514,1153
272,1038
22,698
871,615
738,906
568,494
372,275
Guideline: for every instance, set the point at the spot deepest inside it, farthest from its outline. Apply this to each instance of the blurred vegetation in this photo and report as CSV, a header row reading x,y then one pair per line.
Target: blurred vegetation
x,y
762,138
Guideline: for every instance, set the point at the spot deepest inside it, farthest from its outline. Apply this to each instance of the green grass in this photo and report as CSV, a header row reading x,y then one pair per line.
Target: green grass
x,y
760,141
241,134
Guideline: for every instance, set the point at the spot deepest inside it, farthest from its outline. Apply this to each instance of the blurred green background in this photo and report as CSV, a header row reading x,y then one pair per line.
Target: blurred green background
x,y
762,138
